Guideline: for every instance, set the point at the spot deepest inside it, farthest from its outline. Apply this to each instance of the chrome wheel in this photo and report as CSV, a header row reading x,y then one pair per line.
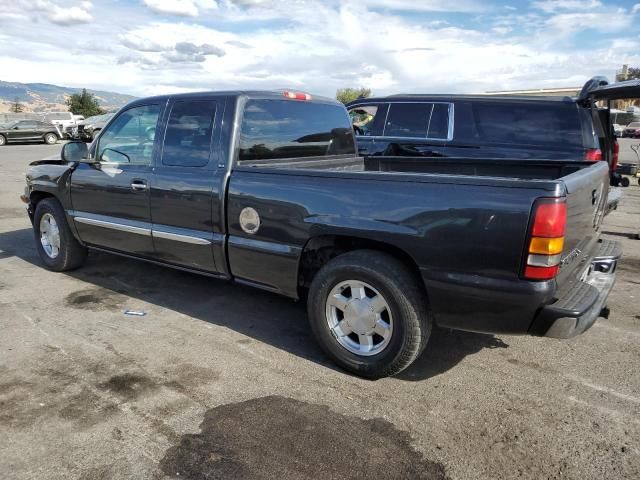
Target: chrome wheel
x,y
49,235
359,317
50,139
1,140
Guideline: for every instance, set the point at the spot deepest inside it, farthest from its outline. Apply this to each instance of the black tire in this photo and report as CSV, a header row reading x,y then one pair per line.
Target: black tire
x,y
50,138
71,254
404,295
625,182
3,140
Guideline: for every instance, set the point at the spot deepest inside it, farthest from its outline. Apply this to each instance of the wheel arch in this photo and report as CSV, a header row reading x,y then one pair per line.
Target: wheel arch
x,y
322,248
51,132
35,197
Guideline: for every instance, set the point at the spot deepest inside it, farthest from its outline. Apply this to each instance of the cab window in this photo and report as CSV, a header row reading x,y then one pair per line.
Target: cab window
x,y
130,137
187,142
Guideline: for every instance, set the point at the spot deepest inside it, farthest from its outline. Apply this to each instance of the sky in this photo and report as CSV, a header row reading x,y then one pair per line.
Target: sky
x,y
148,47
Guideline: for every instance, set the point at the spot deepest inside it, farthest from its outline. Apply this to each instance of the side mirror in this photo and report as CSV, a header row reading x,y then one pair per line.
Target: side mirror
x,y
16,128
114,156
75,152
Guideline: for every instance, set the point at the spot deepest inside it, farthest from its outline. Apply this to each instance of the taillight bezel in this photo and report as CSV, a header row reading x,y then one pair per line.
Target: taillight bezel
x,y
528,272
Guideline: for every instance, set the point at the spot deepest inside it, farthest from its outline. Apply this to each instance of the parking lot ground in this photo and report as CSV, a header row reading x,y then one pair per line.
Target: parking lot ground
x,y
223,381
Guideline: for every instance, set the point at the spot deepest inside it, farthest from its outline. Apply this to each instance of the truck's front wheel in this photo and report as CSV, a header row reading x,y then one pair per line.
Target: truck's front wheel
x,y
369,313
57,247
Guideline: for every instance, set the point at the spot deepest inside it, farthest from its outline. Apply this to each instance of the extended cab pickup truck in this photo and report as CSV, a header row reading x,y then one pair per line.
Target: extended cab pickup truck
x,y
266,189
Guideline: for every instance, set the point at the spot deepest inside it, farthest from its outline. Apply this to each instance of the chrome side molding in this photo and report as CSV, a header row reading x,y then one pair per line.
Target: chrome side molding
x,y
179,237
156,231
114,226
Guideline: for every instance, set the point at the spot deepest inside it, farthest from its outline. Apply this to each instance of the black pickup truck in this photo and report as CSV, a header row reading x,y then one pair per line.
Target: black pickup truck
x,y
266,189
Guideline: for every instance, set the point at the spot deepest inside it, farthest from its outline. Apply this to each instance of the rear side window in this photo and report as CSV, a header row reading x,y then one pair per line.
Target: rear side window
x,y
187,142
280,129
418,120
527,123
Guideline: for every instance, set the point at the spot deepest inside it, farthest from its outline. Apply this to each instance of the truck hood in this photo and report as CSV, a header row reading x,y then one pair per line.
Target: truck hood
x,y
55,159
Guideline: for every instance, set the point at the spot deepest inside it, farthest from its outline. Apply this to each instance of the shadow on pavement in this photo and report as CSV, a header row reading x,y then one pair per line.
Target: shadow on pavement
x,y
263,316
632,236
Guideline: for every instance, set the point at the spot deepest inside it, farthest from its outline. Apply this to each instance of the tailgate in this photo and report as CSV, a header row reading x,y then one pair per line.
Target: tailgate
x,y
586,192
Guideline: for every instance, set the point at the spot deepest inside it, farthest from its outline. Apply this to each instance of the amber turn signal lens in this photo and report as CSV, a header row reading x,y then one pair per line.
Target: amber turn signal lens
x,y
546,246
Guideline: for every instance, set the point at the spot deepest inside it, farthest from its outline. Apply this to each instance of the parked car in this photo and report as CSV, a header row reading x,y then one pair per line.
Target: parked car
x,y
632,130
29,131
617,130
267,189
65,120
625,117
89,128
481,126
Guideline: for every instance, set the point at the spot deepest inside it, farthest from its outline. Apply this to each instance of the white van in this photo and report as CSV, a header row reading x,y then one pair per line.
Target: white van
x,y
65,120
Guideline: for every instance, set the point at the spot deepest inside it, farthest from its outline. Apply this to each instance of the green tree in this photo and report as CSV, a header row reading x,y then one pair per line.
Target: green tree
x,y
346,95
84,104
16,106
634,73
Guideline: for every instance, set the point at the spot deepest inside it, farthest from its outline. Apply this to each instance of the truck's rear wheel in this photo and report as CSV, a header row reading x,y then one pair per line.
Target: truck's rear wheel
x,y
368,313
57,247
50,138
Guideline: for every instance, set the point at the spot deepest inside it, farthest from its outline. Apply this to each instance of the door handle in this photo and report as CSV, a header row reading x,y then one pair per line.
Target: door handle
x,y
138,185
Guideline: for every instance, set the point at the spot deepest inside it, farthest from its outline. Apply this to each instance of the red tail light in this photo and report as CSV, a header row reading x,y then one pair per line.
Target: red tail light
x,y
593,154
546,241
296,95
540,273
550,219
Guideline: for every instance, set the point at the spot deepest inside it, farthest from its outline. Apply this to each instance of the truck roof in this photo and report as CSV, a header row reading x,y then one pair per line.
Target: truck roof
x,y
275,94
410,97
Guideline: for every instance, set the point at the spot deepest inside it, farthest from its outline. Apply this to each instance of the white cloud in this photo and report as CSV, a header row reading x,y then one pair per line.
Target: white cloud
x,y
185,8
568,23
322,46
426,5
550,6
59,12
636,8
70,15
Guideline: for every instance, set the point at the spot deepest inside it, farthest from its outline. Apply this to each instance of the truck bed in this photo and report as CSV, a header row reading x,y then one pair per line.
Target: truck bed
x,y
476,167
464,221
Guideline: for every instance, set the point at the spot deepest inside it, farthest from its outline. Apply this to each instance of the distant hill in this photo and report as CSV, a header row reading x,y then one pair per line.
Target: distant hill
x,y
42,97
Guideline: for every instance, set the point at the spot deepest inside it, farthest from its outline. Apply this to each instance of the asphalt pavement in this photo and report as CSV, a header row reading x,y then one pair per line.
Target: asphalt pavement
x,y
224,381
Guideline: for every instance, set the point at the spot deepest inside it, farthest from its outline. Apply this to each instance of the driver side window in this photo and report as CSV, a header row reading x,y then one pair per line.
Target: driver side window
x,y
130,137
368,120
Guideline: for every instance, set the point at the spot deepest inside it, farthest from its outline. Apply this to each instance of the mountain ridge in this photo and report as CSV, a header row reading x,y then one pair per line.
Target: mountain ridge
x,y
47,97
